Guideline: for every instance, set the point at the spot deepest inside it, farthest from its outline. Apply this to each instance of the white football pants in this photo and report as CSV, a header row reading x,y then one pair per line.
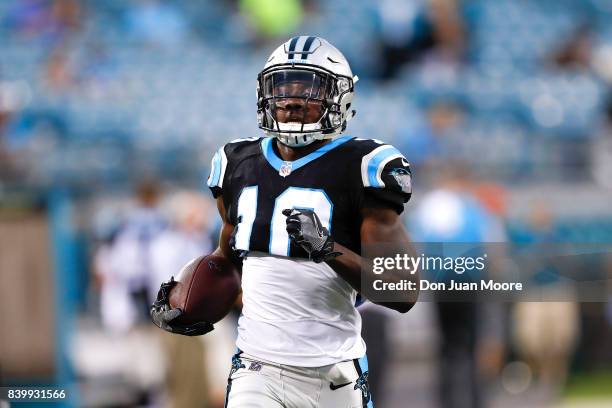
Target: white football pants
x,y
256,383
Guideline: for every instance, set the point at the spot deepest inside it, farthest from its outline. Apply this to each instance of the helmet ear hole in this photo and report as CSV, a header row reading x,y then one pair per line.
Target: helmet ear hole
x,y
335,119
260,116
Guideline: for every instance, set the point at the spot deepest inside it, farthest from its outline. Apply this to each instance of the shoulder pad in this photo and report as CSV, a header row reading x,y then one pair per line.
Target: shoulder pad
x,y
222,157
385,175
382,161
218,165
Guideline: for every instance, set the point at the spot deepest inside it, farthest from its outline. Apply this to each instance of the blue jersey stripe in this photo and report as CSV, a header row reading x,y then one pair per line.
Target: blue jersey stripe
x,y
276,162
211,176
292,44
375,163
307,46
363,363
216,170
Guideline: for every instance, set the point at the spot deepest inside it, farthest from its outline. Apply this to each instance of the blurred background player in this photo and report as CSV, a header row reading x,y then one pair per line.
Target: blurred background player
x,y
545,333
129,268
471,333
187,238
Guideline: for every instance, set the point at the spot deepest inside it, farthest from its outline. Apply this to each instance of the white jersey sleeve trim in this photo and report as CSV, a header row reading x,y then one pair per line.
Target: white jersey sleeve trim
x,y
218,165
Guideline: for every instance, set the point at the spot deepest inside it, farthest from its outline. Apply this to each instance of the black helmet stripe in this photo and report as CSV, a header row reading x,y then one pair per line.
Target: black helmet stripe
x,y
307,46
292,45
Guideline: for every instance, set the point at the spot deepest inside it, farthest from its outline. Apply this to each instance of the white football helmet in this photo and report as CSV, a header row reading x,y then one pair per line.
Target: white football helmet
x,y
304,92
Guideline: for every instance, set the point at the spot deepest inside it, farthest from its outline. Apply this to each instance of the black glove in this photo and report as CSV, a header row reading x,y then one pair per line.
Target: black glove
x,y
163,315
305,229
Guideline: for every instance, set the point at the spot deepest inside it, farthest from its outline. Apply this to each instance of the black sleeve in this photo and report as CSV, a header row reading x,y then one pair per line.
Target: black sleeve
x,y
216,191
395,189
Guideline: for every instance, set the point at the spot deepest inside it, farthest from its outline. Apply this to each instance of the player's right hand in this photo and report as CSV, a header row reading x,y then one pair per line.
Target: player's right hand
x,y
164,316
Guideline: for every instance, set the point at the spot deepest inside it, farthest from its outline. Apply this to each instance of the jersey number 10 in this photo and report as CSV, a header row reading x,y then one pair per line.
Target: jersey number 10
x,y
293,197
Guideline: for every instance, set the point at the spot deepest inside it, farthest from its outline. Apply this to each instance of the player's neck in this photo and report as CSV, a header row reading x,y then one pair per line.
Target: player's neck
x,y
294,153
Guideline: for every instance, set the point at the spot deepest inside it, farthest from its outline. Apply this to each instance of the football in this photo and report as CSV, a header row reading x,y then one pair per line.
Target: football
x,y
206,290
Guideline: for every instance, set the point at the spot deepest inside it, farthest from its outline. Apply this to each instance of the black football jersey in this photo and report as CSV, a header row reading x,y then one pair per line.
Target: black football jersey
x,y
336,182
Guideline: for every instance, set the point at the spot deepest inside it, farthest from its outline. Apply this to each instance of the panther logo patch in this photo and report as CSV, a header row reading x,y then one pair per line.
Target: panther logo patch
x,y
403,179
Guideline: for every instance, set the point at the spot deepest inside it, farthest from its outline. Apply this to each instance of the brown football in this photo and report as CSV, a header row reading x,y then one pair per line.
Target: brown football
x,y
206,290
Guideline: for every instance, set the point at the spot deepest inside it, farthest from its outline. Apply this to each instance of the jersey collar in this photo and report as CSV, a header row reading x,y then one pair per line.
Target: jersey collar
x,y
277,162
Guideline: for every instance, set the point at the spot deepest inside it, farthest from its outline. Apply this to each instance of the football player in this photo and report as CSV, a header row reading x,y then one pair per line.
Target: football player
x,y
297,207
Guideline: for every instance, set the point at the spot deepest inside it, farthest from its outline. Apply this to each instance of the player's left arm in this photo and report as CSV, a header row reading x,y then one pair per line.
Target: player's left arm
x,y
386,187
383,231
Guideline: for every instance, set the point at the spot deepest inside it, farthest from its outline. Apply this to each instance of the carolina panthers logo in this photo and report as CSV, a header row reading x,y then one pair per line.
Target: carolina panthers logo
x,y
363,385
236,364
403,178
